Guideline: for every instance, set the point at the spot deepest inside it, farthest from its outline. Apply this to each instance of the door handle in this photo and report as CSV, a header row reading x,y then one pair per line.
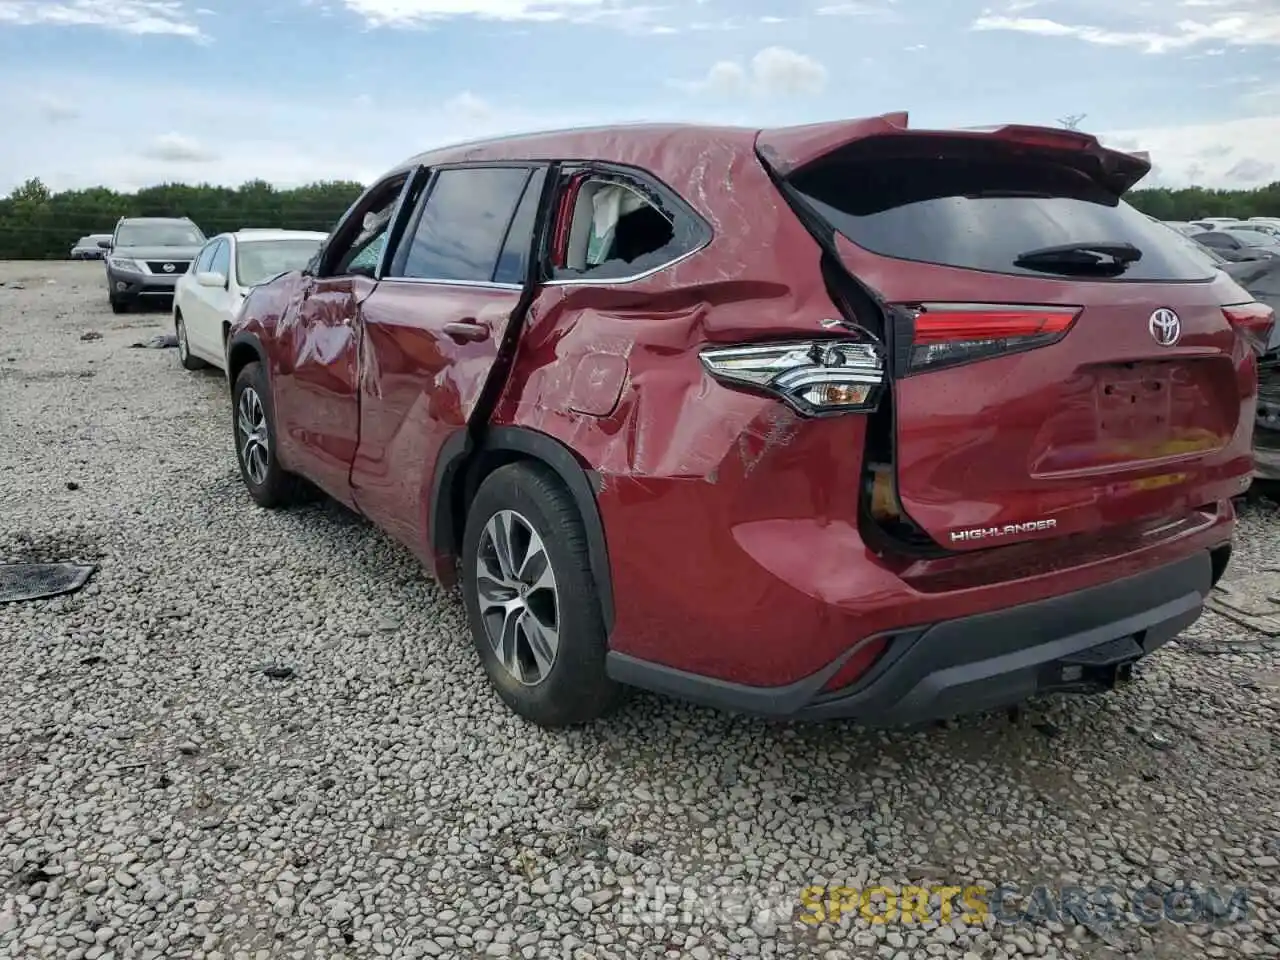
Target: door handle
x,y
467,331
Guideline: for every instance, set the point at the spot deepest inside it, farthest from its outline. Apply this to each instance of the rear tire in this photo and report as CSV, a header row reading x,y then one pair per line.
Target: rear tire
x,y
253,426
534,609
185,357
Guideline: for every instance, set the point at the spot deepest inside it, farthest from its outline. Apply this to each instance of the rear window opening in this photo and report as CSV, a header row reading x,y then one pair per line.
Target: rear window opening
x,y
615,231
984,206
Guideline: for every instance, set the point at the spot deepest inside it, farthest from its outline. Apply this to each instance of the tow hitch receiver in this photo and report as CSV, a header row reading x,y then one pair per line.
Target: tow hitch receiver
x,y
1096,669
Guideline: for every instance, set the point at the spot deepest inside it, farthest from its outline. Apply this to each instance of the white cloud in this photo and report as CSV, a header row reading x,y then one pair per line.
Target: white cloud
x,y
1233,153
177,148
778,70
468,106
1241,23
774,71
878,9
139,17
384,13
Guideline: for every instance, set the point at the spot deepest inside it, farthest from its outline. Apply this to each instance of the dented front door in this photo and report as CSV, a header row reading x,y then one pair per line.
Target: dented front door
x,y
318,404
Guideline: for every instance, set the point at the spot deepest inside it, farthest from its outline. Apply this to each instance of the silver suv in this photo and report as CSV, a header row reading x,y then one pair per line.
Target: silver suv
x,y
146,256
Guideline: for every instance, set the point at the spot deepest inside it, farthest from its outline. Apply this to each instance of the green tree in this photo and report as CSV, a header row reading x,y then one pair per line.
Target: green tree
x,y
37,224
1192,203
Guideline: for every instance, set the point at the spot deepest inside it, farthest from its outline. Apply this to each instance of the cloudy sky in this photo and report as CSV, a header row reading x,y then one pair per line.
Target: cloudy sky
x,y
131,92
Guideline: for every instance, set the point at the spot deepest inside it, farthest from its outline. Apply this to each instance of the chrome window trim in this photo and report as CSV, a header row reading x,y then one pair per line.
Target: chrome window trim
x,y
633,278
425,281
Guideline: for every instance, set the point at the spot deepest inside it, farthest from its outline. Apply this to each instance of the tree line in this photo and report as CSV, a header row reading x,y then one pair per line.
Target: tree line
x,y
39,224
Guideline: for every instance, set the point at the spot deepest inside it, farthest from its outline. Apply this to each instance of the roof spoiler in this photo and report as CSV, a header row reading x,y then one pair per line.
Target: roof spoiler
x,y
787,149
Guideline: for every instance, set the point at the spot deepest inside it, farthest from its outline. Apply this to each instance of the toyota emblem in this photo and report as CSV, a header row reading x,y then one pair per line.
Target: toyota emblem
x,y
169,268
1165,327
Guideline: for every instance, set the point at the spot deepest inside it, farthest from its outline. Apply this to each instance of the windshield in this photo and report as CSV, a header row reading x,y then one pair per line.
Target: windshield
x,y
259,260
1252,238
159,235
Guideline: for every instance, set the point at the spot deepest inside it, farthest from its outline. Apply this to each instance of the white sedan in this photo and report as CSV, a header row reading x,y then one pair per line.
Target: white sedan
x,y
208,297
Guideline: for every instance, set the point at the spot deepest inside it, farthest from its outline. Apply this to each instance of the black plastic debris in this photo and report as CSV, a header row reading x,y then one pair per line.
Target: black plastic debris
x,y
161,341
91,335
35,581
278,672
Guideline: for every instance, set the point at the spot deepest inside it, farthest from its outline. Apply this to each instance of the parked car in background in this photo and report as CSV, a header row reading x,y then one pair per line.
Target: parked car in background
x,y
1205,255
1239,245
1262,279
208,297
146,256
843,420
1269,229
1186,229
90,247
1267,433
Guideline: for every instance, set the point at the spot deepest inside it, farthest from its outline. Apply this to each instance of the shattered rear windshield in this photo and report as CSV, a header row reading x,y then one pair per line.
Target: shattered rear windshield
x,y
982,212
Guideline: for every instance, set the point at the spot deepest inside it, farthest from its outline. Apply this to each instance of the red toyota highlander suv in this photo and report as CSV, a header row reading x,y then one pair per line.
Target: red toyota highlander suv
x,y
839,420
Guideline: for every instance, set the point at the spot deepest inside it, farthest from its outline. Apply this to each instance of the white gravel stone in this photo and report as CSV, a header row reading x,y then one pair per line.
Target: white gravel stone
x,y
160,796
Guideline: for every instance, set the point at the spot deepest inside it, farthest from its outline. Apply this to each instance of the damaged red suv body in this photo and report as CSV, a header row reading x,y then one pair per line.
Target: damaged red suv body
x,y
840,420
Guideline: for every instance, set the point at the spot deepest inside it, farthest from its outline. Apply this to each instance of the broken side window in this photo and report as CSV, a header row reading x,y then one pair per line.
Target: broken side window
x,y
613,227
356,245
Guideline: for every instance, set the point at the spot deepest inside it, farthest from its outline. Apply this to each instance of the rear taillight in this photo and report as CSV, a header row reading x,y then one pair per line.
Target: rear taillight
x,y
1254,321
815,377
946,334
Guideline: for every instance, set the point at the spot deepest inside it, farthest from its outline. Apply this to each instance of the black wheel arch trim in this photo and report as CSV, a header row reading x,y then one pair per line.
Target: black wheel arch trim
x,y
242,339
461,451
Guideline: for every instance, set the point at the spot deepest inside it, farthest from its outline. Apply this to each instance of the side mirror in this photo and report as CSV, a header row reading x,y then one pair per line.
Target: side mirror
x,y
104,244
210,279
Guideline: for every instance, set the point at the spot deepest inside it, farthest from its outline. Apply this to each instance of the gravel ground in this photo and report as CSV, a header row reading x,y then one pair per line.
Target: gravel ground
x,y
164,793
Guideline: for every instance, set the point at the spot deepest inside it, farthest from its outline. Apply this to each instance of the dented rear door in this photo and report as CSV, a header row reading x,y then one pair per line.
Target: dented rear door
x,y
432,332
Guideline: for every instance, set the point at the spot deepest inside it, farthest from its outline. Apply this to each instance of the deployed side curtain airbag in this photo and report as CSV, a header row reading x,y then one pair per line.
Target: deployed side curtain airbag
x,y
609,203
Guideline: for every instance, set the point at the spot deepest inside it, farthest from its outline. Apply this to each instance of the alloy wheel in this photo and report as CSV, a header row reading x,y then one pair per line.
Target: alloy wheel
x,y
519,602
251,431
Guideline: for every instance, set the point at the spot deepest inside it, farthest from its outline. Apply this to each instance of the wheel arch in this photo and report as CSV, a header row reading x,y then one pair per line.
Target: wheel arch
x,y
463,466
242,350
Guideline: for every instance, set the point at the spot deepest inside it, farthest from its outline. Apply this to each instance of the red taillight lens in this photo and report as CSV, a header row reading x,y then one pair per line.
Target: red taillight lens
x,y
1253,321
948,334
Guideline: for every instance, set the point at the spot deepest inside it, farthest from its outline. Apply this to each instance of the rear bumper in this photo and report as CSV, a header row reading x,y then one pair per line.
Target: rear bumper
x,y
1076,642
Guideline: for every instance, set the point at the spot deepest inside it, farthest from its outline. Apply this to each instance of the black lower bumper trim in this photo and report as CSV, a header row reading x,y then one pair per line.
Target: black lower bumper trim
x,y
1080,641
